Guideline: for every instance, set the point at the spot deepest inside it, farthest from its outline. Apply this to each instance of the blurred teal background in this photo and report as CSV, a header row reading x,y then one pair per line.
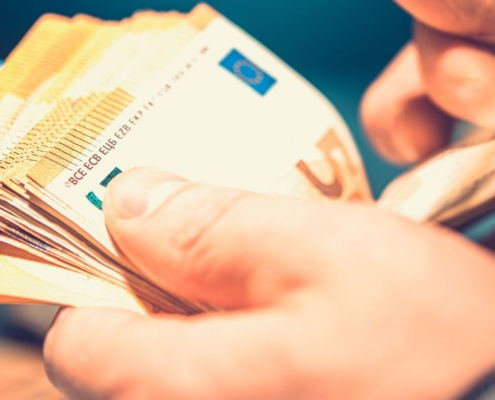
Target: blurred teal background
x,y
340,46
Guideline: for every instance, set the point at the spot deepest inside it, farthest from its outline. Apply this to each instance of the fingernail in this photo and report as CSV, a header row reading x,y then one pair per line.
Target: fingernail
x,y
140,191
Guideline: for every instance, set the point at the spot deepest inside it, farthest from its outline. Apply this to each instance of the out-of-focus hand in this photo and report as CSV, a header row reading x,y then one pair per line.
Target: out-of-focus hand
x,y
447,72
322,301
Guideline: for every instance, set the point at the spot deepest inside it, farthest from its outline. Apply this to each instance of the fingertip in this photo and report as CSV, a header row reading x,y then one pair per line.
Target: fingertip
x,y
76,339
383,103
374,123
385,125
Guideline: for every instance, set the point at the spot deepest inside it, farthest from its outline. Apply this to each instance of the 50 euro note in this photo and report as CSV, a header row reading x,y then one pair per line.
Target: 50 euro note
x,y
192,94
24,225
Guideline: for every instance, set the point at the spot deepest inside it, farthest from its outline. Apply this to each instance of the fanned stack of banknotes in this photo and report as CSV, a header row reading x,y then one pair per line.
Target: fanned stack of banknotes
x,y
82,100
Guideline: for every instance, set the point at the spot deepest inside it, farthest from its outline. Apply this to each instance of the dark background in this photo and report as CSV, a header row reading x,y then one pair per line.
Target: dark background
x,y
339,46
304,33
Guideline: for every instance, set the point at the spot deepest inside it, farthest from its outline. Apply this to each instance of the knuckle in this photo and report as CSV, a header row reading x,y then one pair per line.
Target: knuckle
x,y
461,84
461,89
464,98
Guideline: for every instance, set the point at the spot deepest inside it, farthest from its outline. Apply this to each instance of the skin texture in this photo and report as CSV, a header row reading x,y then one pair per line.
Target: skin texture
x,y
320,300
446,72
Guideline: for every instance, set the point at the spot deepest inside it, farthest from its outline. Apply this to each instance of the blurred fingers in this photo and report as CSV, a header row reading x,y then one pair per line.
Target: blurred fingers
x,y
401,121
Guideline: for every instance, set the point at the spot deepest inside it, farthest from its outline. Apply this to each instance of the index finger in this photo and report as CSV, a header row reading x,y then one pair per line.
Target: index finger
x,y
472,18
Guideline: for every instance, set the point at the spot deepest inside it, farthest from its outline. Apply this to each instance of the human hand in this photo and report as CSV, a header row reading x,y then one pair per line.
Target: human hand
x,y
322,300
446,73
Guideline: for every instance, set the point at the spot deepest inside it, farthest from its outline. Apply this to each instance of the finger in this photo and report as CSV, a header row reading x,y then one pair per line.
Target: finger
x,y
211,244
459,76
114,354
471,18
399,118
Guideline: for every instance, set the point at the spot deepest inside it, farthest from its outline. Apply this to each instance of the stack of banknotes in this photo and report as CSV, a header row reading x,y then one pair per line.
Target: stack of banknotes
x,y
82,100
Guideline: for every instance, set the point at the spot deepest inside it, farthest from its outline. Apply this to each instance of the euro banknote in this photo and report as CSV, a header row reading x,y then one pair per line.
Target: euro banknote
x,y
83,100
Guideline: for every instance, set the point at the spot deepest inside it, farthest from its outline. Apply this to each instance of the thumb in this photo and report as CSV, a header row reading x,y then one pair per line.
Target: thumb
x,y
226,247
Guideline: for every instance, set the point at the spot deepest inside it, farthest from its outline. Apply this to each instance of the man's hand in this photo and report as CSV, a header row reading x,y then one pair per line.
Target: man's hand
x,y
447,72
321,300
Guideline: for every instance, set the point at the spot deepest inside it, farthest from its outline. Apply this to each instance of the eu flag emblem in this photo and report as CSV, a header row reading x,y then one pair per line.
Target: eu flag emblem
x,y
248,72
